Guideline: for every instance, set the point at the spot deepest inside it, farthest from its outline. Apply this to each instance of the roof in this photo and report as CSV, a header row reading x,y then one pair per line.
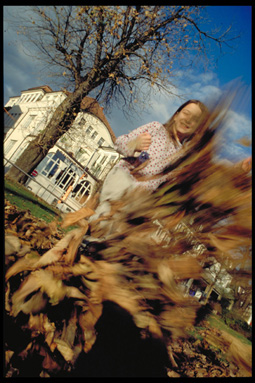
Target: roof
x,y
91,105
46,88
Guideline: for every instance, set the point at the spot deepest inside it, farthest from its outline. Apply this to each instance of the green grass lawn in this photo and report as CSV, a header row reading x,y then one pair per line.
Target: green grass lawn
x,y
219,323
24,199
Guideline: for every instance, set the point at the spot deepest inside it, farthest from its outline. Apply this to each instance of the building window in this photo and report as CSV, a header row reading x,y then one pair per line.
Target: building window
x,y
103,160
113,158
29,98
33,98
82,121
8,120
89,129
100,142
80,153
94,135
15,117
28,121
39,97
81,191
65,178
51,167
9,146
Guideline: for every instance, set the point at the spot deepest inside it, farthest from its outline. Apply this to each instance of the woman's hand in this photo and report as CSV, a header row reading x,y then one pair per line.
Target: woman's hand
x,y
143,142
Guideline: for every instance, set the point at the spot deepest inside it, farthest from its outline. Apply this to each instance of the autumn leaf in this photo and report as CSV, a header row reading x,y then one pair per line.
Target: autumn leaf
x,y
245,141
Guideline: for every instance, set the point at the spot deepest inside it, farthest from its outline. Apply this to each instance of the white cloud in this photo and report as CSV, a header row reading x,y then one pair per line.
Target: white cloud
x,y
237,126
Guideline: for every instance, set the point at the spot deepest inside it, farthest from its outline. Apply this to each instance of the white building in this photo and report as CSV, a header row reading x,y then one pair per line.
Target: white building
x,y
81,158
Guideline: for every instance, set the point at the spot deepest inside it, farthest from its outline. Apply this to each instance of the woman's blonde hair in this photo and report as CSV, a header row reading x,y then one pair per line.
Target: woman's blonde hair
x,y
169,125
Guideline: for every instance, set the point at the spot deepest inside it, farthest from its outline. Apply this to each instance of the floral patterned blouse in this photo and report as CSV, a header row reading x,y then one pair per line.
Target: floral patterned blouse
x,y
160,151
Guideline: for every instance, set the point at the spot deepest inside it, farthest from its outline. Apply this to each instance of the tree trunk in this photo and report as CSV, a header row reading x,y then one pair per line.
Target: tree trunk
x,y
29,159
59,124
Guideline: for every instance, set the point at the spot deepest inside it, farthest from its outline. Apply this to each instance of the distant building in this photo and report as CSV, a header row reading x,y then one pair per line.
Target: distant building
x,y
81,158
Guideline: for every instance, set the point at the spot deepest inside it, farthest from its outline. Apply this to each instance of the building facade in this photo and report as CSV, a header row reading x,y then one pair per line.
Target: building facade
x,y
78,162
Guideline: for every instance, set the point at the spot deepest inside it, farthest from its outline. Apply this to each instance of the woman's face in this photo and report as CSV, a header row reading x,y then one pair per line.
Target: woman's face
x,y
187,120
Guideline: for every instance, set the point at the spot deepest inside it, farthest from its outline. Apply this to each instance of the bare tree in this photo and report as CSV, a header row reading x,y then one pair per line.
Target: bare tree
x,y
116,54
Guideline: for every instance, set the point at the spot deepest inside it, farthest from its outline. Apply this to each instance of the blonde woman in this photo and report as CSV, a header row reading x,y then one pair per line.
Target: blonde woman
x,y
148,150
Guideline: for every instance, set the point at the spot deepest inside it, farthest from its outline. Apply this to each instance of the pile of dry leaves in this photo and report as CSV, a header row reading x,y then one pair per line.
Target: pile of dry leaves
x,y
55,291
189,356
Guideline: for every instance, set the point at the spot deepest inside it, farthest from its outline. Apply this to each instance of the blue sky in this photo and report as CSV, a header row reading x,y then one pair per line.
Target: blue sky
x,y
21,73
236,64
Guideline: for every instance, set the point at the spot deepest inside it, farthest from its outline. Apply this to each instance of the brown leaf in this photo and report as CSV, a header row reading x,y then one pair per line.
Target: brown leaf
x,y
12,244
170,287
7,297
240,353
87,321
226,242
50,364
111,288
178,319
185,267
69,330
62,271
54,254
19,266
34,305
74,243
73,292
43,281
174,220
245,141
173,374
93,201
77,217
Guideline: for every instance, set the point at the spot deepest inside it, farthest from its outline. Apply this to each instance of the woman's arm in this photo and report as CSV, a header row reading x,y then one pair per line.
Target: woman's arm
x,y
137,140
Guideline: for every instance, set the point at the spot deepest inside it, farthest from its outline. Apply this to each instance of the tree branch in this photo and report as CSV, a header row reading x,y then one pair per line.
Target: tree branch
x,y
99,37
205,34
